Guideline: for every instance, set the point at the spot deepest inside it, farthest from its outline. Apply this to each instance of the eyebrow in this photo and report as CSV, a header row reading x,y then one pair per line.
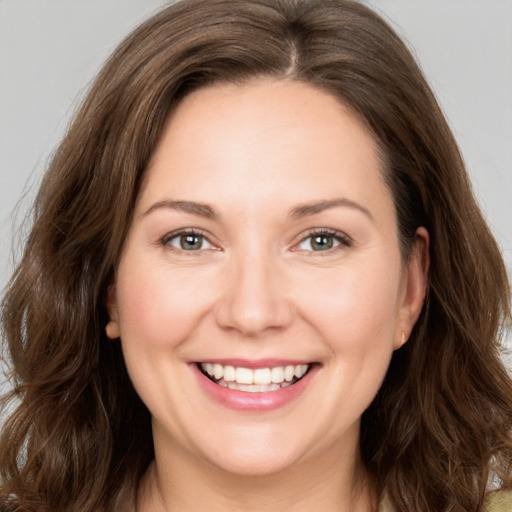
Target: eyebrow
x,y
300,211
199,209
307,209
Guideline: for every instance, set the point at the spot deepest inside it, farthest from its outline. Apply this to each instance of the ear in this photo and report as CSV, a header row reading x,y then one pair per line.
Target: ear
x,y
112,328
414,286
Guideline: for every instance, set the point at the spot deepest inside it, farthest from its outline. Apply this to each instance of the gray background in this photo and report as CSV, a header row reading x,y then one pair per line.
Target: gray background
x,y
51,49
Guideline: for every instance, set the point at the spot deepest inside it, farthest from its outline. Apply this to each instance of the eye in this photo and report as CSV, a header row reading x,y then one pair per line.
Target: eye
x,y
322,241
187,241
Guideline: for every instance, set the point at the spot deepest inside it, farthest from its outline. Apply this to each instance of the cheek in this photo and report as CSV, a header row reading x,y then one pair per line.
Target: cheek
x,y
159,310
158,305
355,308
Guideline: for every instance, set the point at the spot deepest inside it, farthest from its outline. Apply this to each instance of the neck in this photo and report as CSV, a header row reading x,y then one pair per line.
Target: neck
x,y
331,483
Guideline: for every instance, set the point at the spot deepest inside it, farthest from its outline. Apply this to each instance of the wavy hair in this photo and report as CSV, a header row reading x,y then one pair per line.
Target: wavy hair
x,y
439,430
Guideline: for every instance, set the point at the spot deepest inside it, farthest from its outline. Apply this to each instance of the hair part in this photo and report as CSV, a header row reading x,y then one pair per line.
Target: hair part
x,y
439,428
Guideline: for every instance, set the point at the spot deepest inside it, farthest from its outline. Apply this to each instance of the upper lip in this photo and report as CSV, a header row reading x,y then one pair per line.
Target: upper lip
x,y
254,363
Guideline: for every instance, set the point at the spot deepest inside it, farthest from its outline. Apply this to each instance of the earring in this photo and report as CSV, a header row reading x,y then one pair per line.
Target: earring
x,y
404,338
111,331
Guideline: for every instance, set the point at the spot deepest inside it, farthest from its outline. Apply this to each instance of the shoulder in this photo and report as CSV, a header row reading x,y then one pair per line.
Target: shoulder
x,y
499,501
385,505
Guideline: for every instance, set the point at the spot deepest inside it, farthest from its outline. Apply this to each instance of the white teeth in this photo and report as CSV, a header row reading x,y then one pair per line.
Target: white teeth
x,y
289,373
229,373
218,371
262,376
244,376
258,380
301,370
252,388
277,374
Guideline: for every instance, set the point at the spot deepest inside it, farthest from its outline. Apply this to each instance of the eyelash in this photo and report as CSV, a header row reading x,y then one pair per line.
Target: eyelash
x,y
165,241
343,240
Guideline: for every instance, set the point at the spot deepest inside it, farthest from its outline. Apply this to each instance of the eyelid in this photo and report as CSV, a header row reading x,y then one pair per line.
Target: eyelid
x,y
164,240
343,239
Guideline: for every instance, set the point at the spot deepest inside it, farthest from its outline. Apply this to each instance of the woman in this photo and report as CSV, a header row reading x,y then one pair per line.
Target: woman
x,y
257,278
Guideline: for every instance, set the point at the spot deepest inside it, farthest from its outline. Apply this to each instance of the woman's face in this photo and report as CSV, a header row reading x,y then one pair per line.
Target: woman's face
x,y
260,293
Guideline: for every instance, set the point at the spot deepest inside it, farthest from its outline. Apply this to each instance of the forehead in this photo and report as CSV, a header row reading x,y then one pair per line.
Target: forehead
x,y
276,138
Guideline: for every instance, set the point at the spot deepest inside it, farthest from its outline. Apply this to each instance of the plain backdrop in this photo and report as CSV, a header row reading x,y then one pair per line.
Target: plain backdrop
x,y
51,49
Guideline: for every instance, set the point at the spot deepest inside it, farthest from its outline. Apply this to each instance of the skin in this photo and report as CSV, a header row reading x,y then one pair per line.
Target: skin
x,y
257,288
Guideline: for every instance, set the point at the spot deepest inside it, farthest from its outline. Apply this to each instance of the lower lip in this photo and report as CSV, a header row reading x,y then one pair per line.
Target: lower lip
x,y
254,402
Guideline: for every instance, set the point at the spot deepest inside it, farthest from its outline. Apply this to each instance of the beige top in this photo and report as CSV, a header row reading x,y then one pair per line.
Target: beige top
x,y
499,501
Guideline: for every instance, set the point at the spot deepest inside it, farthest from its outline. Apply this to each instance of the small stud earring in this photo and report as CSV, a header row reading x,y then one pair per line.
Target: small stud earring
x,y
108,330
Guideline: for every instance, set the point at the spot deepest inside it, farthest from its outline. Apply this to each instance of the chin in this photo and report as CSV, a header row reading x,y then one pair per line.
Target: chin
x,y
255,465
263,452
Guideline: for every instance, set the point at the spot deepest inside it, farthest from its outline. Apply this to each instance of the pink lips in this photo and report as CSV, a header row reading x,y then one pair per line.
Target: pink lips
x,y
254,402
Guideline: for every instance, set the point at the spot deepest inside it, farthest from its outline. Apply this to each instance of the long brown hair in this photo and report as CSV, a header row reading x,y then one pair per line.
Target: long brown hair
x,y
439,429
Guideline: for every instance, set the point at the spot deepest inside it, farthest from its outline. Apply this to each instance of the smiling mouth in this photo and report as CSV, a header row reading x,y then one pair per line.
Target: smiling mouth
x,y
259,380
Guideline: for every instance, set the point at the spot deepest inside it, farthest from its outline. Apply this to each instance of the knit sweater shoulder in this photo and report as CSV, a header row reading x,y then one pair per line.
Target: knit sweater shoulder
x,y
498,501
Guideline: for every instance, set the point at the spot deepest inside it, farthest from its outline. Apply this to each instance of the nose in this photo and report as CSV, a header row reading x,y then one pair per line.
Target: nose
x,y
254,298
